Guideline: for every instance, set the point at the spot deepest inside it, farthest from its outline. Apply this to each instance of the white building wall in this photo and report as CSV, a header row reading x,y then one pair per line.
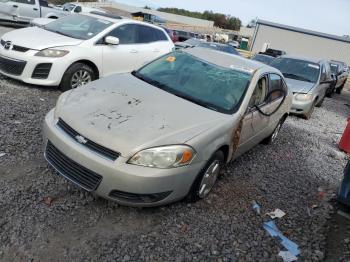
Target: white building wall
x,y
296,43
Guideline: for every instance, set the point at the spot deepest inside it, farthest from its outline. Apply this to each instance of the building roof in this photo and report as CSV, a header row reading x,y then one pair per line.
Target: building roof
x,y
166,16
303,31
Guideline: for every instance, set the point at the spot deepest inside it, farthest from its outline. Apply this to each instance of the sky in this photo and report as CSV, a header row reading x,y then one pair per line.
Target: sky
x,y
332,17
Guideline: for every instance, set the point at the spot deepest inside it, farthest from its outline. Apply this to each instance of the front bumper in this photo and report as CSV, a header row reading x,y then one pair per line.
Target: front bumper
x,y
122,179
58,67
300,107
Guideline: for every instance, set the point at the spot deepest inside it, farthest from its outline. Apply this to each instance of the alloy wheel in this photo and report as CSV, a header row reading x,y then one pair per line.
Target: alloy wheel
x,y
81,77
209,179
276,132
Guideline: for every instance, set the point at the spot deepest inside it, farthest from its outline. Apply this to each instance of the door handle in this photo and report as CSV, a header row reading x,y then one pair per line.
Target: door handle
x,y
36,9
156,50
16,6
133,51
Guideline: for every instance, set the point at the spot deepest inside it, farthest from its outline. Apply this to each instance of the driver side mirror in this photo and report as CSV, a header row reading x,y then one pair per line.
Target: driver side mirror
x,y
111,40
78,9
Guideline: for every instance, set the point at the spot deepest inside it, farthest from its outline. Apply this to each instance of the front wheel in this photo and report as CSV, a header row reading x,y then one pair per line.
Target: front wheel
x,y
307,116
77,75
207,178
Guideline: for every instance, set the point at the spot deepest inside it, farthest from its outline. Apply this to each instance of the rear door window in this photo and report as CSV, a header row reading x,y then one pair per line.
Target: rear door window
x,y
147,34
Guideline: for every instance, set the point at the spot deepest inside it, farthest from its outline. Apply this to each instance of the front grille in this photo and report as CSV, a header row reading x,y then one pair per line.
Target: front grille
x,y
42,71
101,150
138,198
13,67
71,170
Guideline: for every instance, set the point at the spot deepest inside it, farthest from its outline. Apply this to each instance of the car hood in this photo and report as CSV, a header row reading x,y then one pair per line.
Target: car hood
x,y
38,38
126,114
297,86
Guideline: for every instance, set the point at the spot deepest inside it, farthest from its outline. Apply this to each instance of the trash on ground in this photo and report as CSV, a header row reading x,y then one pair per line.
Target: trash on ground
x,y
256,207
48,201
2,154
278,213
287,256
272,229
42,99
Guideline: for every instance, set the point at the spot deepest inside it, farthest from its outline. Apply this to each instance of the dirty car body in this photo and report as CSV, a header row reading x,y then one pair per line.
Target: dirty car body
x,y
143,139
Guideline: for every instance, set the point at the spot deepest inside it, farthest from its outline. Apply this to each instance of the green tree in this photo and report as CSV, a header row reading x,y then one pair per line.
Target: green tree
x,y
220,20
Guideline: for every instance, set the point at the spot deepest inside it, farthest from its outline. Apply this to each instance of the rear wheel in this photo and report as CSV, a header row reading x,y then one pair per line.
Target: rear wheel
x,y
272,138
77,75
207,178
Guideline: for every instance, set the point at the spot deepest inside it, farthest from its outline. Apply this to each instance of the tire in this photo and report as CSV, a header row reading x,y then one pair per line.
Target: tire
x,y
272,138
340,88
307,116
198,190
319,104
74,71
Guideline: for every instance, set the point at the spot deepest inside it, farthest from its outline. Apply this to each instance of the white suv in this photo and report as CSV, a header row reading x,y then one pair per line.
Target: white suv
x,y
77,49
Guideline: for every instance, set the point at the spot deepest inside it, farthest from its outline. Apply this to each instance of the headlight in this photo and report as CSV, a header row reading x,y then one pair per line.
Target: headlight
x,y
164,157
52,53
303,97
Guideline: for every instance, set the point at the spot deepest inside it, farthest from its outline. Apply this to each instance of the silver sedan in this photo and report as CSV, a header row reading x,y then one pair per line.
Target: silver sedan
x,y
165,131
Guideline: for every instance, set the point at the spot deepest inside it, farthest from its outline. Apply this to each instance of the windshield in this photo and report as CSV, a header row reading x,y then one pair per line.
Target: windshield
x,y
78,26
219,47
208,85
264,59
297,69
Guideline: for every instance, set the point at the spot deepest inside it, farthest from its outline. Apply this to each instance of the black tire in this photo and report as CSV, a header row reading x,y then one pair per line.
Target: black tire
x,y
194,194
308,115
66,82
272,138
340,88
319,104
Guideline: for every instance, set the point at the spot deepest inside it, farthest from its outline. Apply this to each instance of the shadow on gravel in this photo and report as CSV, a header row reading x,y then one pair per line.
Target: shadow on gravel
x,y
18,83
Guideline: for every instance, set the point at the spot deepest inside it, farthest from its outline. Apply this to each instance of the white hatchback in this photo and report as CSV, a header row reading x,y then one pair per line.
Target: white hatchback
x,y
76,49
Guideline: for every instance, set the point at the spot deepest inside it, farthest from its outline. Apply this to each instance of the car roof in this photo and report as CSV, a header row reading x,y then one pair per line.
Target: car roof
x,y
307,59
226,60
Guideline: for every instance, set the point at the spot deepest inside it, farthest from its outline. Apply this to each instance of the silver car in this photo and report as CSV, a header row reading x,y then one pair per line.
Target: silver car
x,y
308,79
164,132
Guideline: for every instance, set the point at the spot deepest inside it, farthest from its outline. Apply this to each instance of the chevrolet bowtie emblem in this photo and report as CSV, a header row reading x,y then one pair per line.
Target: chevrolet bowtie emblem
x,y
7,45
81,139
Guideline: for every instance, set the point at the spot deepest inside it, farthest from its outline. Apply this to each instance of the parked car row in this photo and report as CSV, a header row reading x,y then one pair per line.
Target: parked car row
x,y
200,105
310,80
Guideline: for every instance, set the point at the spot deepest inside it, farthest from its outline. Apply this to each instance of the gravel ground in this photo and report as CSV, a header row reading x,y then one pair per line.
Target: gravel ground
x,y
45,218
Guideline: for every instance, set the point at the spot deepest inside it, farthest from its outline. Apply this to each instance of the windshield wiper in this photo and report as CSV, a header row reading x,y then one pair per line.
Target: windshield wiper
x,y
150,81
297,77
196,101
